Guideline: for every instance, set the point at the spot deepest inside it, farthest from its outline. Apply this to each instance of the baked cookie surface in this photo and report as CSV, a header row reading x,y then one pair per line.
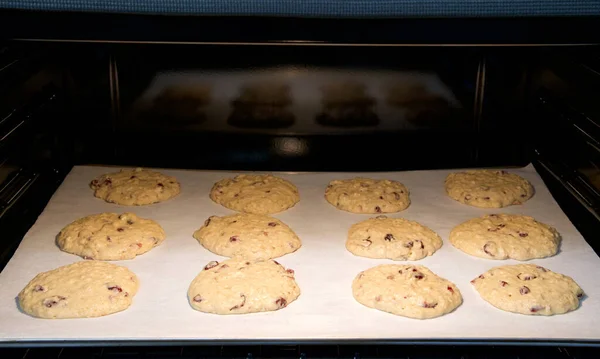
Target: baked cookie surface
x,y
392,238
407,290
135,187
528,289
110,236
488,188
84,289
239,286
248,236
257,194
364,195
506,236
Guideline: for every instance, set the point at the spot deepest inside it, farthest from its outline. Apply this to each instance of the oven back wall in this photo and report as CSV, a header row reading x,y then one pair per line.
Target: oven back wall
x,y
308,108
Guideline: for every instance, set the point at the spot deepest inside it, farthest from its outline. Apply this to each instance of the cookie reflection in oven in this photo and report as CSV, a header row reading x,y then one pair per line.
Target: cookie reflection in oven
x,y
262,106
183,104
347,104
423,108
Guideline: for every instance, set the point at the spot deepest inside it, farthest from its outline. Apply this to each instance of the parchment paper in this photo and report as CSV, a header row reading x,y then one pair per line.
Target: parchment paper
x,y
324,270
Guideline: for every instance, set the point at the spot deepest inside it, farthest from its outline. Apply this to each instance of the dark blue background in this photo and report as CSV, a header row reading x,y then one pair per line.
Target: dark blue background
x,y
322,8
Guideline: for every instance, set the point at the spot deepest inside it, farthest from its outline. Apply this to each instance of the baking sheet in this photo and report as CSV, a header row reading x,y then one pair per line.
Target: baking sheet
x,y
305,90
324,270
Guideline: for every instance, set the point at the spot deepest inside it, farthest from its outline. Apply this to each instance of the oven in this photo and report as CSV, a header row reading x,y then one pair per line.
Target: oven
x,y
313,92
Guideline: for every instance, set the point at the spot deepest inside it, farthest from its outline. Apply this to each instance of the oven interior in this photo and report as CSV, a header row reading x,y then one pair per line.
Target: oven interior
x,y
186,106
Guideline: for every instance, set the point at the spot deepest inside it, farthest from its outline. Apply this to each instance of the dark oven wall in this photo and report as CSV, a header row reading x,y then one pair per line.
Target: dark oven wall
x,y
565,117
301,107
34,151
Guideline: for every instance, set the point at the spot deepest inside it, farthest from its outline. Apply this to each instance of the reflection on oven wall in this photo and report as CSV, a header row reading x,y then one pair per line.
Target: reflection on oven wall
x,y
307,101
229,107
307,91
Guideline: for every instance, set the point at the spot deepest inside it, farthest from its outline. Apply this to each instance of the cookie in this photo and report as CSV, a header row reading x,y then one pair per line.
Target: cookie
x,y
363,195
407,290
506,236
135,187
84,289
248,236
528,289
258,194
240,286
488,188
392,238
110,236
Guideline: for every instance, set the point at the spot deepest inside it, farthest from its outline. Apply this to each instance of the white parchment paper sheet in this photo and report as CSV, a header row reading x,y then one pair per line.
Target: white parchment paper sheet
x,y
324,269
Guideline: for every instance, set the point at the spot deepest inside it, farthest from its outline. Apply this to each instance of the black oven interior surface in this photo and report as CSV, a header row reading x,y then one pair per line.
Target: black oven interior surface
x,y
297,108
